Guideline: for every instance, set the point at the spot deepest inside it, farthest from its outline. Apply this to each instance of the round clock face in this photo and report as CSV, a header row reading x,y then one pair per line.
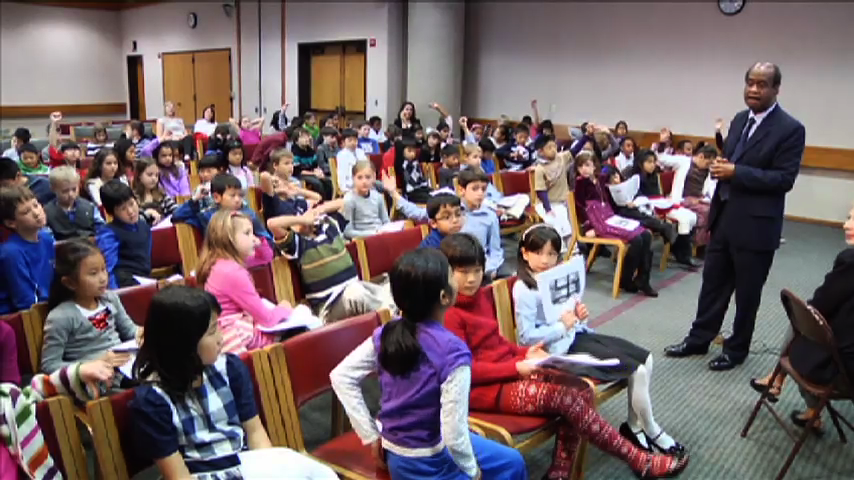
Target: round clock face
x,y
730,7
192,20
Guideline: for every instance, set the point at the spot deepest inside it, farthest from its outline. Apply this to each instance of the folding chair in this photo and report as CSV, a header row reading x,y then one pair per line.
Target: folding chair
x,y
189,244
56,418
505,313
808,322
384,248
300,375
137,300
165,252
512,183
578,236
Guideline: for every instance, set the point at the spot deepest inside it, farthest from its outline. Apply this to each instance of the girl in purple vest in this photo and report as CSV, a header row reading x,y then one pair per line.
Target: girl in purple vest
x,y
425,377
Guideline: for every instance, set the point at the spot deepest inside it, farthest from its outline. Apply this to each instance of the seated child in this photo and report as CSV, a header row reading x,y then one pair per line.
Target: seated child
x,y
376,131
425,376
69,154
450,166
505,380
237,165
538,252
364,207
416,185
328,149
366,143
552,185
209,167
98,142
329,278
31,160
473,135
487,156
126,153
155,204
306,167
229,241
104,168
68,215
250,130
85,320
431,151
698,189
182,369
19,137
11,176
27,255
347,157
126,241
281,193
174,178
626,158
480,221
594,207
444,131
473,159
521,156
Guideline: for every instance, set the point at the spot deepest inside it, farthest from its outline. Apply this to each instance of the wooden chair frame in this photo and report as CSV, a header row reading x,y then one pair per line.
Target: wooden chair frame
x,y
63,415
595,242
282,271
33,322
333,174
254,202
188,247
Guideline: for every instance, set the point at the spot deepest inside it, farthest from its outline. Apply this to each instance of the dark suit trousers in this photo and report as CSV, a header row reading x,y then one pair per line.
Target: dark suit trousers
x,y
729,269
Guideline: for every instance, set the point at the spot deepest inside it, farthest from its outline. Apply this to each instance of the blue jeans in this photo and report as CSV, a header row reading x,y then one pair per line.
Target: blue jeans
x,y
496,462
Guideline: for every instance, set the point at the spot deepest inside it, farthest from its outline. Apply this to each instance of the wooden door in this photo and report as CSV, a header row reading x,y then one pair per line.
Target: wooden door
x,y
354,79
140,89
213,82
178,85
326,78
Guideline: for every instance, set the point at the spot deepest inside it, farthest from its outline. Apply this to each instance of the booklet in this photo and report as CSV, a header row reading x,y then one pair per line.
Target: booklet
x,y
392,226
558,361
301,316
625,192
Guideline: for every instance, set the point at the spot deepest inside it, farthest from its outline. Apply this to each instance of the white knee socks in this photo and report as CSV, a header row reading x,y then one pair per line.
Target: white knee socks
x,y
641,405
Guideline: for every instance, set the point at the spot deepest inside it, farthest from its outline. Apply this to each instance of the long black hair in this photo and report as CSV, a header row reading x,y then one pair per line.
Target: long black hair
x,y
533,240
417,279
69,256
98,163
178,317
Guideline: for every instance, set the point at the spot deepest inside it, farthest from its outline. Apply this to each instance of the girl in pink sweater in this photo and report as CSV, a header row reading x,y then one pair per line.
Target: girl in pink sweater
x,y
228,243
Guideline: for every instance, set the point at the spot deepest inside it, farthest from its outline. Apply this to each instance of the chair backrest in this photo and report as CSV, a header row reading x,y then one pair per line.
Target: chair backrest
x,y
34,334
262,275
56,419
353,250
165,251
16,321
258,363
502,294
114,133
333,173
82,132
513,183
301,374
189,244
377,160
287,280
112,437
378,253
254,197
665,181
573,216
431,174
137,300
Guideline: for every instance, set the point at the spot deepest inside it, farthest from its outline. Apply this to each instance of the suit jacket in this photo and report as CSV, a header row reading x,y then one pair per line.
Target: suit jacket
x,y
764,173
835,300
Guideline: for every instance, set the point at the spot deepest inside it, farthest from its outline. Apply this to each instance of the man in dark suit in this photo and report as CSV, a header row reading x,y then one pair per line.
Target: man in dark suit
x,y
762,157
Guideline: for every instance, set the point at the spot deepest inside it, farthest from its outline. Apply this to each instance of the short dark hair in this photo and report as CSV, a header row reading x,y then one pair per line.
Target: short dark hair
x,y
223,181
471,175
681,144
463,250
325,131
408,142
486,145
442,126
374,120
307,115
69,146
28,148
138,127
10,198
522,127
22,134
210,160
9,169
450,150
114,194
776,78
543,140
628,138
299,131
526,120
349,133
707,151
436,202
547,124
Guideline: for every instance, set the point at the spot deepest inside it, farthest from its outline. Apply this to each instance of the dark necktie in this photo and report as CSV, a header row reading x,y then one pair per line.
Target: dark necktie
x,y
723,187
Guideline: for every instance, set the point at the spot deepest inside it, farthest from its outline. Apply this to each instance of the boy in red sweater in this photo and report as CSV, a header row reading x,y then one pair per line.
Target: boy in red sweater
x,y
504,380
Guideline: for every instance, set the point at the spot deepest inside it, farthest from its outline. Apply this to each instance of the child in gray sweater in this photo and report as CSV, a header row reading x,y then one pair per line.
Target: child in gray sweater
x,y
85,320
364,207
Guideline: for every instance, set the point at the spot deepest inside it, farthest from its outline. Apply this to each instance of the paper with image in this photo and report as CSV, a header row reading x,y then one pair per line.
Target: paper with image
x,y
625,192
622,222
557,218
562,287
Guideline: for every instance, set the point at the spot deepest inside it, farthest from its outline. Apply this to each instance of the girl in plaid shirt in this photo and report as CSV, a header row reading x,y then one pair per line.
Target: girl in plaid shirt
x,y
195,414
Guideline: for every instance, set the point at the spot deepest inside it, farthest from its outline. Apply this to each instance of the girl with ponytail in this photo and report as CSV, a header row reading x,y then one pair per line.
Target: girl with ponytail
x,y
425,377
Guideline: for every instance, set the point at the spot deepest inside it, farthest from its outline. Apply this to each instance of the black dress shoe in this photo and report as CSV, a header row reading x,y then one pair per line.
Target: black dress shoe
x,y
688,264
677,449
685,349
797,419
724,362
629,287
648,290
754,384
627,433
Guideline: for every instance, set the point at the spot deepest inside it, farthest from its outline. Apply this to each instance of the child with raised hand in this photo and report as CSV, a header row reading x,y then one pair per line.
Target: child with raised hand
x,y
104,168
155,204
364,207
552,185
250,129
281,193
505,380
85,320
228,243
237,165
425,377
195,409
539,251
173,175
27,255
21,440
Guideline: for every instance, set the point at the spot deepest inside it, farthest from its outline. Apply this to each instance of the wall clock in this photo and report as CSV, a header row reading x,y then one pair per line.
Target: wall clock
x,y
192,20
731,7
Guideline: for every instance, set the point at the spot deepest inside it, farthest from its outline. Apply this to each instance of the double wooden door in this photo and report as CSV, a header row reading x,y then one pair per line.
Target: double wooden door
x,y
194,80
338,77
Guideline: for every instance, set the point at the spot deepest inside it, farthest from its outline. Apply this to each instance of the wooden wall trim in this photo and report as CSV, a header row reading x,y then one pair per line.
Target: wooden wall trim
x,y
825,158
113,6
77,109
814,221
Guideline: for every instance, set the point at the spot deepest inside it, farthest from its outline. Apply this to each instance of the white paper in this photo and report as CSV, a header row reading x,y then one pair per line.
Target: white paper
x,y
301,316
127,369
562,286
514,205
623,222
557,218
661,203
278,462
165,223
574,358
625,192
152,281
129,346
392,227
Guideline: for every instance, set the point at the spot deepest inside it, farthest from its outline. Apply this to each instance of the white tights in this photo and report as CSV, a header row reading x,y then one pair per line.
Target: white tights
x,y
640,406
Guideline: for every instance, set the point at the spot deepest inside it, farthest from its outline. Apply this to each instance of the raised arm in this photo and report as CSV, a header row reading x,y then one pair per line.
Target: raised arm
x,y
53,135
536,112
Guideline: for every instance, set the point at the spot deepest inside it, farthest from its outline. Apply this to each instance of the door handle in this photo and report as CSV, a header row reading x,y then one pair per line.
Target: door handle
x,y
256,109
265,110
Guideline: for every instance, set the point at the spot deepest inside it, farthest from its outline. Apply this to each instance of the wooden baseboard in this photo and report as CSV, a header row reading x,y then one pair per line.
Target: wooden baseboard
x,y
814,221
17,111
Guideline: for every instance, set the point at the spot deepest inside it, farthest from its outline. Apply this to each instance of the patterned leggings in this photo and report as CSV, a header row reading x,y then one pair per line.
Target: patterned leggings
x,y
551,392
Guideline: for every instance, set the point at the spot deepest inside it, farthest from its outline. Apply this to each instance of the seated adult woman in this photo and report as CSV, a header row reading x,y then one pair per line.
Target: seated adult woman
x,y
834,299
207,124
